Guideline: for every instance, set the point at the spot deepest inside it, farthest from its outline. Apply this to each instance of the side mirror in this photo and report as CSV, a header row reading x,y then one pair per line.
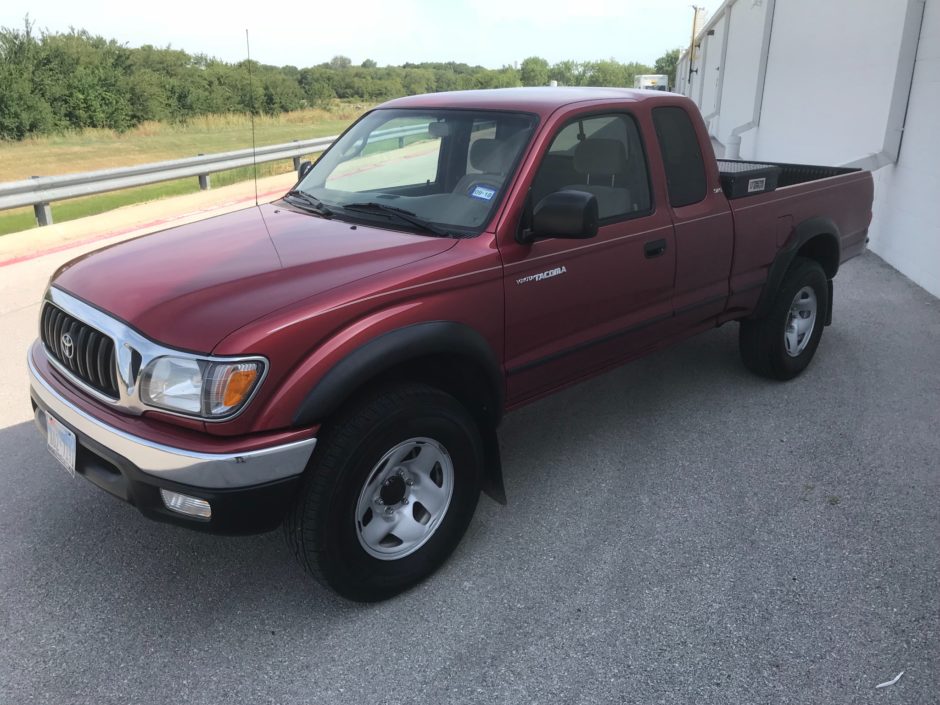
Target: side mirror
x,y
568,214
304,169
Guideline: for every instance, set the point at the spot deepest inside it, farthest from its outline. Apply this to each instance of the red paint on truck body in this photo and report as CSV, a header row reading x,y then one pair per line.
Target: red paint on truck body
x,y
305,291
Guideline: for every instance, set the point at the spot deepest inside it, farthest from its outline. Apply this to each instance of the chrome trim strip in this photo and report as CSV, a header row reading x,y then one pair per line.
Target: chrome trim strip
x,y
207,470
127,341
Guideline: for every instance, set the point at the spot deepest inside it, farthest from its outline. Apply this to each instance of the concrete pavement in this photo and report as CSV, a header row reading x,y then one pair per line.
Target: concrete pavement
x,y
678,531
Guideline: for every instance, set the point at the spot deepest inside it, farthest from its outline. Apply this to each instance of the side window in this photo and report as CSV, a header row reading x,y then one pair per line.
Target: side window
x,y
401,152
602,155
682,156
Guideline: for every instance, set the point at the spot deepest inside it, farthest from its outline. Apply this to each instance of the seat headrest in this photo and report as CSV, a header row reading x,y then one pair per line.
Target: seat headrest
x,y
488,155
600,156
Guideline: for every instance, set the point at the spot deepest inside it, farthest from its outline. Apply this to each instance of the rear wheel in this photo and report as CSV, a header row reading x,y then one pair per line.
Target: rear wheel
x,y
390,491
781,344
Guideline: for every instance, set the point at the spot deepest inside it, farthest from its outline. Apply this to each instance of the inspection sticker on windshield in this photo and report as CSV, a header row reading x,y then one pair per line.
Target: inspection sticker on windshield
x,y
483,192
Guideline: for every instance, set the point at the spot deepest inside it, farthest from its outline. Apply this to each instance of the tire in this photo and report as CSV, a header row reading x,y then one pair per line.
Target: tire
x,y
781,344
353,484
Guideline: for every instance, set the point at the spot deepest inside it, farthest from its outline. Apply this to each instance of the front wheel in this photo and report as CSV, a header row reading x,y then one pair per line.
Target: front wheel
x,y
390,491
781,344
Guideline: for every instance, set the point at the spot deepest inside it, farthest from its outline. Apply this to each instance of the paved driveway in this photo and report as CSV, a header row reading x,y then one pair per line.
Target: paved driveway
x,y
678,531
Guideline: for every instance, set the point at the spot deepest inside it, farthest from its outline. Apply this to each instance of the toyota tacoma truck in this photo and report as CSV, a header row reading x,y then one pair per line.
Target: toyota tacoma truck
x,y
337,362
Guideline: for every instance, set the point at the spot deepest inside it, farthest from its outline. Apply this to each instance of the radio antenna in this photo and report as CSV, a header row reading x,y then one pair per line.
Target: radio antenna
x,y
251,113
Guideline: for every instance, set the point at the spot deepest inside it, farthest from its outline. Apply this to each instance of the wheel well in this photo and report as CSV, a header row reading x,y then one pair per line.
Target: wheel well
x,y
823,248
469,383
461,377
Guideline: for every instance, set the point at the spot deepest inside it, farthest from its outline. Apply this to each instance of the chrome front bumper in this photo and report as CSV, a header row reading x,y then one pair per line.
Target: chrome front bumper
x,y
207,470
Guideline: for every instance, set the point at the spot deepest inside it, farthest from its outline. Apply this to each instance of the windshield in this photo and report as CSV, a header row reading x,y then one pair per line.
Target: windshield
x,y
431,171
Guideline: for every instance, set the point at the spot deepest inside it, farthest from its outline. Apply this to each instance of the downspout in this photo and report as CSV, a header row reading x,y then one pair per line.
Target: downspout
x,y
733,146
901,95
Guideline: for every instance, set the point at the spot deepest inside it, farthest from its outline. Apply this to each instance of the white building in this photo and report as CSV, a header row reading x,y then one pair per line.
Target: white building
x,y
836,82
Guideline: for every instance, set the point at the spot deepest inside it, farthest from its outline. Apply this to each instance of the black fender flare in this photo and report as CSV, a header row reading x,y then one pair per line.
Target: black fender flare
x,y
401,345
804,232
393,348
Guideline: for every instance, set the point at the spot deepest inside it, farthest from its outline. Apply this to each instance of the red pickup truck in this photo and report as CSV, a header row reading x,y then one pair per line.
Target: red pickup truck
x,y
338,361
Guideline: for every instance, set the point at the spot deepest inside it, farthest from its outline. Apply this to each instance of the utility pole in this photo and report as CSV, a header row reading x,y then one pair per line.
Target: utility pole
x,y
698,13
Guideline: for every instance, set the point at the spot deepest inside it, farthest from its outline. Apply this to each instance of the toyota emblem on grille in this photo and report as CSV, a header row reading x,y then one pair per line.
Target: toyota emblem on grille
x,y
68,348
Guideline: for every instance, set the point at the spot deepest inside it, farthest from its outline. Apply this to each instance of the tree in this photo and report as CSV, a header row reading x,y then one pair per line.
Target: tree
x,y
667,64
633,69
280,94
605,73
534,71
316,86
418,80
23,111
565,72
50,82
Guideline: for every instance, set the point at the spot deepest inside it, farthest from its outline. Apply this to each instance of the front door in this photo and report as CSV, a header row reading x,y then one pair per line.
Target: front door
x,y
576,306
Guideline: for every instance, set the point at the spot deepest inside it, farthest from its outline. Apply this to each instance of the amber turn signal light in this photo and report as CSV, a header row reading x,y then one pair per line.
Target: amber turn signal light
x,y
238,386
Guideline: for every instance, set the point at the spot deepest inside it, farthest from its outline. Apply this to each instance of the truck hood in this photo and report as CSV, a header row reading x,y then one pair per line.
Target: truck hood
x,y
192,285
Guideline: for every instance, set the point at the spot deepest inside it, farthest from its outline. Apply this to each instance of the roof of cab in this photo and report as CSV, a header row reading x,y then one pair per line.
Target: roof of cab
x,y
540,100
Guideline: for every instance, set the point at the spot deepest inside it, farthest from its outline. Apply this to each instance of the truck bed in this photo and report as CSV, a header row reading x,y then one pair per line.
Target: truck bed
x,y
783,174
804,192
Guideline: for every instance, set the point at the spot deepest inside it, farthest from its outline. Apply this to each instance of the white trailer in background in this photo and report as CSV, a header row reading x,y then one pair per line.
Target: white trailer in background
x,y
652,81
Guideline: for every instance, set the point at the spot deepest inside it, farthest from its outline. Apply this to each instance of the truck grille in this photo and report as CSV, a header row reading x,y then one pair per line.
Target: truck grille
x,y
84,351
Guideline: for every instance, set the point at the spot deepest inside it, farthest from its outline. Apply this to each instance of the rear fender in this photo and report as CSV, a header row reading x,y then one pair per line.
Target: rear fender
x,y
812,229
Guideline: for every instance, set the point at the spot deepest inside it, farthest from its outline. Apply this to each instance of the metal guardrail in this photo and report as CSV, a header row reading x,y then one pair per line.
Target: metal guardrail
x,y
41,191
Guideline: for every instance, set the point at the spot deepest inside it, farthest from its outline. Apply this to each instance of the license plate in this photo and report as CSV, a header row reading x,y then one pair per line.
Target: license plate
x,y
61,442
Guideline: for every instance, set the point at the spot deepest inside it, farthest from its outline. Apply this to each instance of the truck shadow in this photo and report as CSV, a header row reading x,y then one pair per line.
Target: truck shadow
x,y
621,404
73,543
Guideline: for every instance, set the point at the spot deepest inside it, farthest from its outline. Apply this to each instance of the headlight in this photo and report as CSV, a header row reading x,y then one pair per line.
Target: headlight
x,y
199,387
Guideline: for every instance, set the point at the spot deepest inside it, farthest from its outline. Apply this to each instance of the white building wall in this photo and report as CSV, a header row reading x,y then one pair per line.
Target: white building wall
x,y
711,64
741,67
831,71
830,75
906,229
690,85
682,74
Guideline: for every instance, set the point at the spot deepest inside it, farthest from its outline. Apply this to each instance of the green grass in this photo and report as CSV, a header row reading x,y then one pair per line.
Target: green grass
x,y
90,150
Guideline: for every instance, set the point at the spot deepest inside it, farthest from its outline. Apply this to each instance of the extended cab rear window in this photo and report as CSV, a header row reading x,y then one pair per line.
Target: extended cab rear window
x,y
682,156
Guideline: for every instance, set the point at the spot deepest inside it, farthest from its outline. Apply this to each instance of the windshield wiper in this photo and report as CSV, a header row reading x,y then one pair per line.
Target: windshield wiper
x,y
309,202
401,214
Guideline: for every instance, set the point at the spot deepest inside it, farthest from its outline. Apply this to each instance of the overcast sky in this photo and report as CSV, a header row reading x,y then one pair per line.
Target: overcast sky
x,y
491,33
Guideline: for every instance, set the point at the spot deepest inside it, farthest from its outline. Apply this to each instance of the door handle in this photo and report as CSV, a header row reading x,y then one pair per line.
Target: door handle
x,y
654,248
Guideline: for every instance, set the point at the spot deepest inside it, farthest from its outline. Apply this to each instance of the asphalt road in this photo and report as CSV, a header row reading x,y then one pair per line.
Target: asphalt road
x,y
678,531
